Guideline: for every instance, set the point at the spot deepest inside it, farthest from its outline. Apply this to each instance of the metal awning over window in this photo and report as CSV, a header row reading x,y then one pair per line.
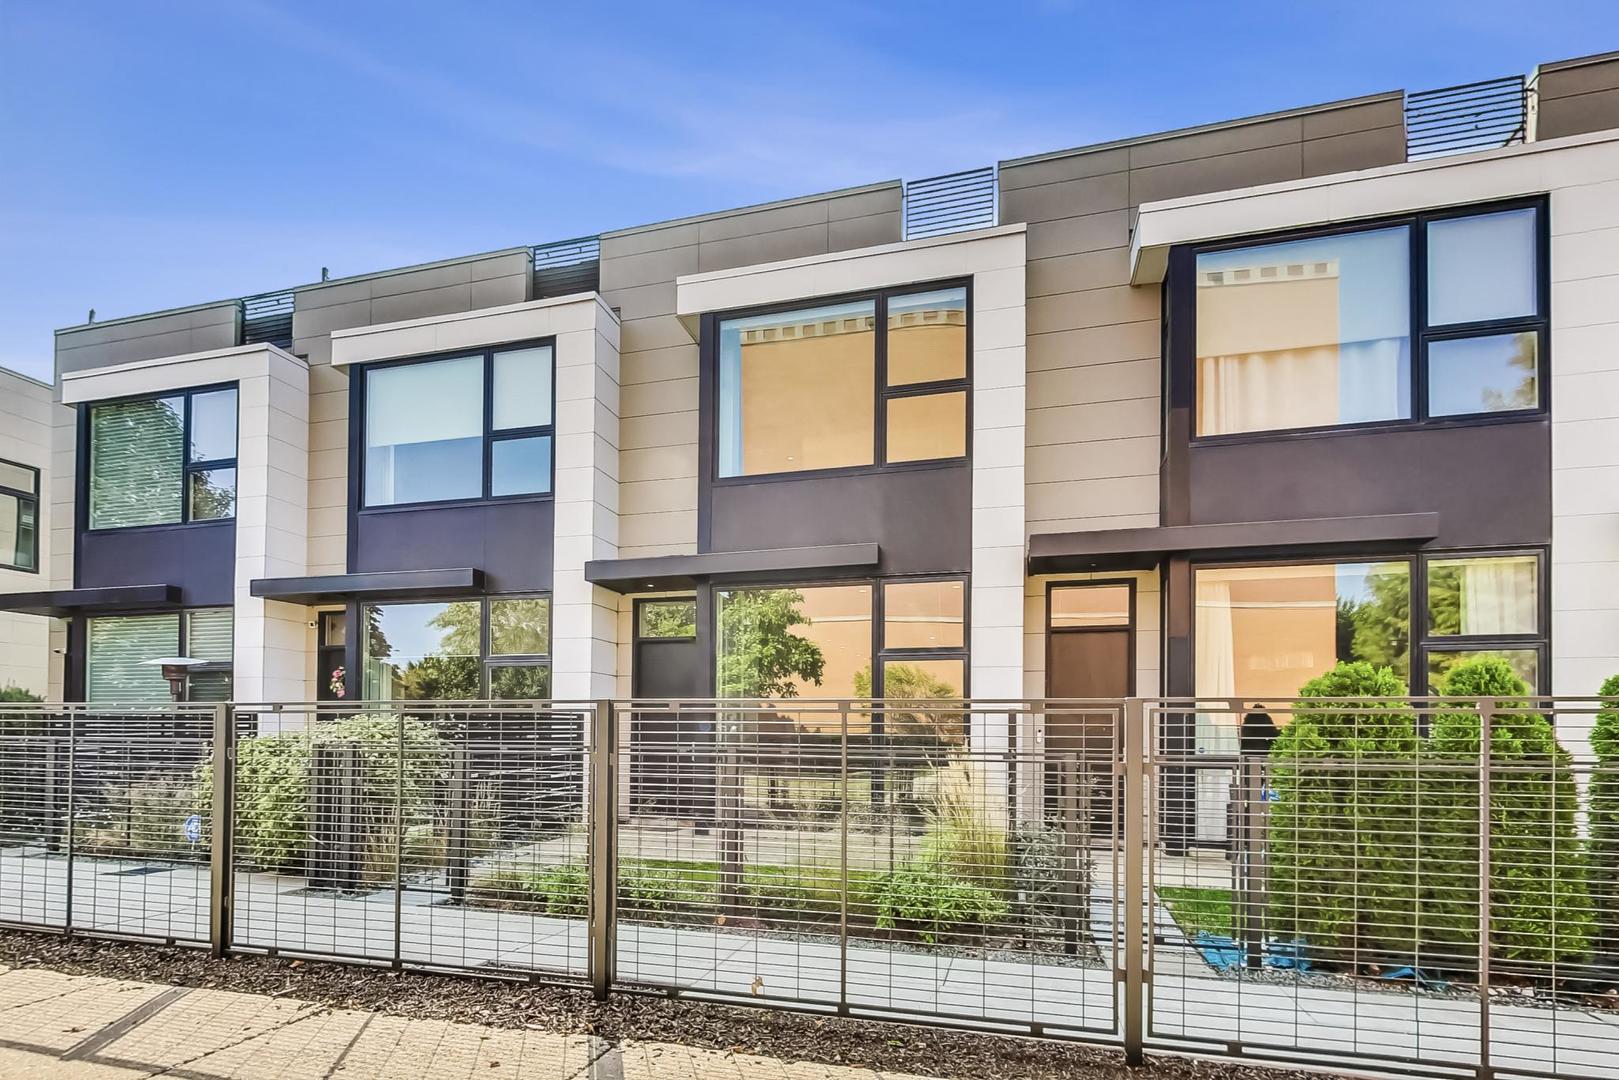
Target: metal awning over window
x,y
458,582
683,571
62,603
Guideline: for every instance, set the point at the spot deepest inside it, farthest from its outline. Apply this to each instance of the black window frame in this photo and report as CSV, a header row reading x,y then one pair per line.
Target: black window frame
x,y
31,498
487,660
360,410
1421,639
882,392
1421,332
86,439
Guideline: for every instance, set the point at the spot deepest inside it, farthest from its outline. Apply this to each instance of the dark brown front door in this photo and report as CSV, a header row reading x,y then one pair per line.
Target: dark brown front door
x,y
671,754
1090,653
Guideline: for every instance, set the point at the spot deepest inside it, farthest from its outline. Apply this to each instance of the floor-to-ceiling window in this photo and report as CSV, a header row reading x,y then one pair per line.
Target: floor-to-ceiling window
x,y
457,650
120,648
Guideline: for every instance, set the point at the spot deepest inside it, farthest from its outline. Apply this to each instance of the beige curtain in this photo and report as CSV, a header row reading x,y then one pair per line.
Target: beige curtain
x,y
1267,391
1498,596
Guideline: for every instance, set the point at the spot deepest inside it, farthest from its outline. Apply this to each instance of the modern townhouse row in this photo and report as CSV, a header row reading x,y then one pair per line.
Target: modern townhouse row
x,y
1200,412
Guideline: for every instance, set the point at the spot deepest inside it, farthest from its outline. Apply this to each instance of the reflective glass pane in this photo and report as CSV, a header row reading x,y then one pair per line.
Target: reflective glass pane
x,y
520,627
334,628
1090,605
522,391
1264,631
1481,267
795,642
213,425
796,390
927,427
424,432
19,478
210,635
116,671
514,682
1485,596
19,532
1484,374
416,652
1526,662
213,494
1307,333
913,684
924,614
927,337
136,463
520,466
667,618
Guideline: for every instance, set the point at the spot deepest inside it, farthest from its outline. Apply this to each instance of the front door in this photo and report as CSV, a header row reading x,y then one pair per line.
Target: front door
x,y
1090,653
671,754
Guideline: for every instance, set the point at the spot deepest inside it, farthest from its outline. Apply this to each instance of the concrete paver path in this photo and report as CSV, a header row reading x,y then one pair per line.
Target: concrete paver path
x,y
78,1027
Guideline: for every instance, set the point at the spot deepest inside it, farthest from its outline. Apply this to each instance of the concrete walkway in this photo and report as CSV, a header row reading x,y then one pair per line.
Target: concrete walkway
x,y
84,1028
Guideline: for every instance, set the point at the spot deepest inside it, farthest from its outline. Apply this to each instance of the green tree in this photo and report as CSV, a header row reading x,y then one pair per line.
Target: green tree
x,y
760,656
1340,843
1540,907
1605,821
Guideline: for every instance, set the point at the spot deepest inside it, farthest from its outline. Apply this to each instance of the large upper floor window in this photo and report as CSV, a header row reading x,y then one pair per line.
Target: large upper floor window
x,y
477,426
1435,316
163,460
19,517
874,380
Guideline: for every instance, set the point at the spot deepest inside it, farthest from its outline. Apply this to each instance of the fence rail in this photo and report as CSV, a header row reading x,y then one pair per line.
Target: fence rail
x,y
1366,882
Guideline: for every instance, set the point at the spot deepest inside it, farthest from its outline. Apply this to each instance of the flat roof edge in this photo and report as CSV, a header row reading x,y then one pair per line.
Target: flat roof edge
x,y
1200,129
774,204
435,264
99,323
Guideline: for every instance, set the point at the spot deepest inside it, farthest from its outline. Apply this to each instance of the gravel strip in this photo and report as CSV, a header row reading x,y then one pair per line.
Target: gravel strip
x,y
769,1032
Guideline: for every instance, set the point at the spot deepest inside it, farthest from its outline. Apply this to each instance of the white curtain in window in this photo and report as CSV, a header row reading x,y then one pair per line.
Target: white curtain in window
x,y
1216,664
1498,596
1351,383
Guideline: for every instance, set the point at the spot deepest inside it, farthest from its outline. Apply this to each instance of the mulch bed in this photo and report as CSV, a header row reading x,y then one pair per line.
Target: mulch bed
x,y
775,1033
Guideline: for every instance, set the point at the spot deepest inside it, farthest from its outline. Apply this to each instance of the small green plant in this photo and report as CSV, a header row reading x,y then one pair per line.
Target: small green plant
x,y
924,899
562,890
1198,910
10,694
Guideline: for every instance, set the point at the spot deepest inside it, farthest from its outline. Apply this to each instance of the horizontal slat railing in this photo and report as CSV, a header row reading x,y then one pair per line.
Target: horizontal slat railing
x,y
1349,882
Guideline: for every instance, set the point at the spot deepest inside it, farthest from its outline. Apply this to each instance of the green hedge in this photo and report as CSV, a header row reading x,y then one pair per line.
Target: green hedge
x,y
1374,838
1342,861
1540,908
1605,821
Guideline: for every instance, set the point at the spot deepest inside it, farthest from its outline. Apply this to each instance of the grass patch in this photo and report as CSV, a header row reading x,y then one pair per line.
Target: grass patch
x,y
1197,910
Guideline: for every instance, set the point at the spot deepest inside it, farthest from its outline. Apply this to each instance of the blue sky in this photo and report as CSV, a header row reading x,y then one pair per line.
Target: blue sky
x,y
163,153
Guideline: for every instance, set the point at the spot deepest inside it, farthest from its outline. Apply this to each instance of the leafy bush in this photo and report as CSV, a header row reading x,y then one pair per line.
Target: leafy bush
x,y
1540,908
1605,821
10,694
274,777
926,899
562,890
1042,887
1343,869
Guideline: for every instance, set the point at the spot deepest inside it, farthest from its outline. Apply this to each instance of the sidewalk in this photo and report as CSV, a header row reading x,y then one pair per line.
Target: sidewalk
x,y
81,1027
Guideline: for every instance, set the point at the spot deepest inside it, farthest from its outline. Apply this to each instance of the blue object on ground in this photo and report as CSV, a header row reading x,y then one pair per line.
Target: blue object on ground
x,y
1223,953
1417,976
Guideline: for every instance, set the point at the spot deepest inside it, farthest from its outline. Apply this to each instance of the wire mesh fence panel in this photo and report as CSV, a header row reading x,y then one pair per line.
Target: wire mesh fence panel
x,y
101,812
440,835
886,858
1380,881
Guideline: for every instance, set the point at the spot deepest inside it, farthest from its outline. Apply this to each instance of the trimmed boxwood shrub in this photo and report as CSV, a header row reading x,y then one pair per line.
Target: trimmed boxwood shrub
x,y
1540,908
1605,821
1341,849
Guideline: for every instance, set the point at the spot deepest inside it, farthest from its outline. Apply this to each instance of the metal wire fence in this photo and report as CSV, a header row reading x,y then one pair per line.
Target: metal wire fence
x,y
1374,882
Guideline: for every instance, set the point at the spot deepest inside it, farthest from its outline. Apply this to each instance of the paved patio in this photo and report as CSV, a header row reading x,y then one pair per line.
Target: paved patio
x,y
1189,1004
